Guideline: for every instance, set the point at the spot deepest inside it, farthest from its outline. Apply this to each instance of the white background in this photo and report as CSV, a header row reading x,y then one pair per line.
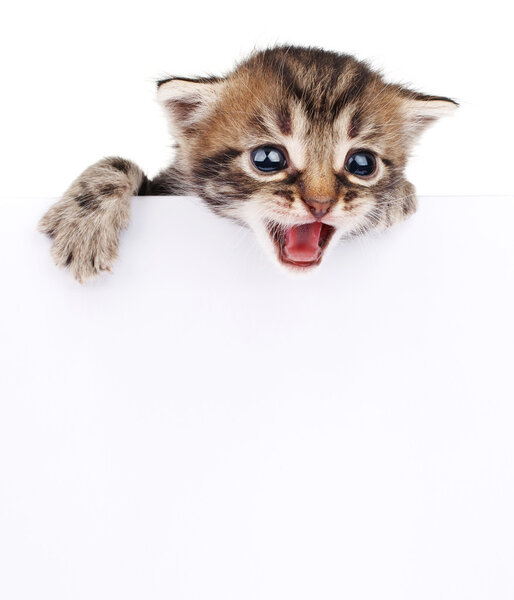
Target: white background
x,y
199,426
78,79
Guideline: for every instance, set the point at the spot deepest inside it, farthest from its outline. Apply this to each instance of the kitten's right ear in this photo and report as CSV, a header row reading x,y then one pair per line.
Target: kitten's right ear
x,y
187,101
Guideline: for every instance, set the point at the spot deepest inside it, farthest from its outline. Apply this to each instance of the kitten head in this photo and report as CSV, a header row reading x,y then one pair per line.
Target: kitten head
x,y
302,145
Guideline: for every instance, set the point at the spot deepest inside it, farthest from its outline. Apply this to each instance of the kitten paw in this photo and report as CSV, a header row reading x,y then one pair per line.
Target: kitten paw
x,y
85,242
85,225
402,207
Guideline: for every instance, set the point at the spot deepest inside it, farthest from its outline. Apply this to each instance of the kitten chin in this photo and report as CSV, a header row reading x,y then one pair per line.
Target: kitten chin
x,y
302,145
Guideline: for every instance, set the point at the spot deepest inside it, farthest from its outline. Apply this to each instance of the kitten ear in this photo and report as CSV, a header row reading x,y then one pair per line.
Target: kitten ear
x,y
188,100
421,110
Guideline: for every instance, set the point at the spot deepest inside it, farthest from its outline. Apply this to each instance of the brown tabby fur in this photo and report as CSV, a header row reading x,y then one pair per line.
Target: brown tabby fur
x,y
316,105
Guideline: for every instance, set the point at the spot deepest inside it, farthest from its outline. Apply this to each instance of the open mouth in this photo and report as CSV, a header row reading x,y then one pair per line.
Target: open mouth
x,y
301,245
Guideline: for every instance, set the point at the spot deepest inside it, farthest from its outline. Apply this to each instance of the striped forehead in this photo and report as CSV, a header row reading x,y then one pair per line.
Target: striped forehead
x,y
316,144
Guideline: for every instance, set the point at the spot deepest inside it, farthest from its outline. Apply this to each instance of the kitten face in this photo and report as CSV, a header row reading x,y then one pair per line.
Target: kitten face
x,y
301,145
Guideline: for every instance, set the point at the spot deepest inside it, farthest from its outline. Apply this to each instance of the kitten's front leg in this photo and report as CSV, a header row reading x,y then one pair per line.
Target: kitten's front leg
x,y
85,224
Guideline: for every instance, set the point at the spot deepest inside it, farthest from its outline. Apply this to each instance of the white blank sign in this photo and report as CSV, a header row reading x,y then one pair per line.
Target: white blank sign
x,y
199,425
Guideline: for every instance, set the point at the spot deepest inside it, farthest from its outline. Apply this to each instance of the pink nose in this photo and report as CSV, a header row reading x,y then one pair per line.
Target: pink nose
x,y
318,208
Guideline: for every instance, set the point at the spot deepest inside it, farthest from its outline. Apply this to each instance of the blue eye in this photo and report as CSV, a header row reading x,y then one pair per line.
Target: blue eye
x,y
361,164
268,159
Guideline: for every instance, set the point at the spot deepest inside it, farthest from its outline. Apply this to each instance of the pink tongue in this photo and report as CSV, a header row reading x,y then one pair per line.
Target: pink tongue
x,y
301,243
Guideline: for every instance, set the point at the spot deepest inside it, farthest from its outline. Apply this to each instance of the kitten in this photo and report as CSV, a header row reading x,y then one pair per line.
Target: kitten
x,y
303,146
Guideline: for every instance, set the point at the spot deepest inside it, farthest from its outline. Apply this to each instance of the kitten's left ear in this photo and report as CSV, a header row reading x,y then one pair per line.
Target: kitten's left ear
x,y
421,110
188,100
